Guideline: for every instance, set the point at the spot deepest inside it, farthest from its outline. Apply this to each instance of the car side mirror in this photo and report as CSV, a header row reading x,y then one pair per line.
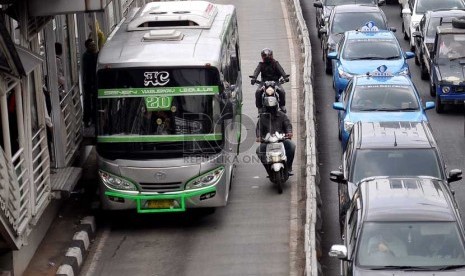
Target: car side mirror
x,y
392,29
338,177
338,251
338,106
381,2
409,55
429,105
406,11
416,34
454,175
332,55
322,31
318,4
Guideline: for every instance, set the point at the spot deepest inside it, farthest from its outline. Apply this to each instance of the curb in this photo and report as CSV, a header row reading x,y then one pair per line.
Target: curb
x,y
78,248
313,201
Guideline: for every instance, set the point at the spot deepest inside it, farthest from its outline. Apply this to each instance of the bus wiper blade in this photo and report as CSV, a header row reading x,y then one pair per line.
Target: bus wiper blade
x,y
401,267
451,267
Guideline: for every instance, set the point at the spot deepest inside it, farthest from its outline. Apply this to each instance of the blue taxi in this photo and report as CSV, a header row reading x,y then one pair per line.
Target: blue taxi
x,y
362,51
378,97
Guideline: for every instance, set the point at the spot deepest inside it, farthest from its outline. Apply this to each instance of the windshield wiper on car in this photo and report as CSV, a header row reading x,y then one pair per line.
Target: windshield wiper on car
x,y
365,58
392,57
450,267
401,267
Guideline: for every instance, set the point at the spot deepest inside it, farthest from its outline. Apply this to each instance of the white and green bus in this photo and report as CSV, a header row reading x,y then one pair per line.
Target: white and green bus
x,y
169,108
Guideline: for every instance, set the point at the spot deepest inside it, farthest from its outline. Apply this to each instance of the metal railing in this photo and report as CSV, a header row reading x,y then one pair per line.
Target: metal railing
x,y
72,114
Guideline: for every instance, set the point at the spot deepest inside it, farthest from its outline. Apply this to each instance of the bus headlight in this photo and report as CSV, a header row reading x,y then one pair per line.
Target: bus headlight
x,y
445,89
348,126
115,182
207,179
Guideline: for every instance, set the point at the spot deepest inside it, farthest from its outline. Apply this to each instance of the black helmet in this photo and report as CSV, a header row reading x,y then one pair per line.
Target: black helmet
x,y
267,54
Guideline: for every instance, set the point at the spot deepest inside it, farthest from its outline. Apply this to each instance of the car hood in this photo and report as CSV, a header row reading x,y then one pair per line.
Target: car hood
x,y
380,116
452,73
359,67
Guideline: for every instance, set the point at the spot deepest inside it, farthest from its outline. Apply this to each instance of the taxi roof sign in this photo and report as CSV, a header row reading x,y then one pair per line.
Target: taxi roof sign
x,y
370,26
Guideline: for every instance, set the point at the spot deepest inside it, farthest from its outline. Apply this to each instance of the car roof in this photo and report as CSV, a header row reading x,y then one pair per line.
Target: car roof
x,y
405,199
381,34
373,80
356,8
445,13
385,135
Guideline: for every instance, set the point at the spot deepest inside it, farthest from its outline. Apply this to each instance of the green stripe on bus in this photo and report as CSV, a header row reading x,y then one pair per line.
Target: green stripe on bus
x,y
157,91
158,138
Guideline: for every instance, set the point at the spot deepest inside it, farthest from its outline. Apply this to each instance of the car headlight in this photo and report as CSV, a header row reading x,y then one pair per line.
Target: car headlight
x,y
445,89
115,182
343,74
205,180
348,125
404,71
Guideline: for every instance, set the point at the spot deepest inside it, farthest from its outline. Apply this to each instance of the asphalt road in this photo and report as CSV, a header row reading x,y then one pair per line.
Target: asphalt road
x,y
448,129
255,234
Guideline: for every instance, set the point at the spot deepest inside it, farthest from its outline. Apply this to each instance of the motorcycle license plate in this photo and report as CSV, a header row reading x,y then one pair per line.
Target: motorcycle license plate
x,y
160,204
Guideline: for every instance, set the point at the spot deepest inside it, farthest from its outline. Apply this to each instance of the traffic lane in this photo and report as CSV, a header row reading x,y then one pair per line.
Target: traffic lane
x,y
328,145
448,128
248,237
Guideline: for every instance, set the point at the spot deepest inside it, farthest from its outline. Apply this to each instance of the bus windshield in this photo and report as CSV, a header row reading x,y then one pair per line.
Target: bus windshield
x,y
162,113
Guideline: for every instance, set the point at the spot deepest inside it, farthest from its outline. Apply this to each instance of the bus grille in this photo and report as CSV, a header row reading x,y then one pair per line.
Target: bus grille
x,y
161,187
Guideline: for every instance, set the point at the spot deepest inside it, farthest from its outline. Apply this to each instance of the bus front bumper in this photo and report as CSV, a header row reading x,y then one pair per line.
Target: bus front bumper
x,y
160,203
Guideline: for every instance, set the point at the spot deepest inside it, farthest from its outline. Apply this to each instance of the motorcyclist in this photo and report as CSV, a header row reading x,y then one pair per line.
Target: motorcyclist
x,y
270,70
271,121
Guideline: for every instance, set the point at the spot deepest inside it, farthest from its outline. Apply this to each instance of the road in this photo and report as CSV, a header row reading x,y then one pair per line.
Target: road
x,y
448,130
256,234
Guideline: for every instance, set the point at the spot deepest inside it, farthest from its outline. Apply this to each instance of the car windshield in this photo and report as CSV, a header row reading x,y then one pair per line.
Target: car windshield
x,y
450,47
347,21
384,98
432,5
343,2
356,49
423,245
395,162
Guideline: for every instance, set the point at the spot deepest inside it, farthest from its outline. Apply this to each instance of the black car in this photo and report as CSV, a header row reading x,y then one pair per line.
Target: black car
x,y
324,8
426,32
447,75
346,18
401,149
402,226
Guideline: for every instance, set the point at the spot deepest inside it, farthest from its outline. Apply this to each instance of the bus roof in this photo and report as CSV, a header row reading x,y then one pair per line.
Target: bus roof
x,y
157,43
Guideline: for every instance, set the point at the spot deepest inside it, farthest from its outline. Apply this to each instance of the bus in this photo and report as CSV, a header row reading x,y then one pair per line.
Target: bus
x,y
168,124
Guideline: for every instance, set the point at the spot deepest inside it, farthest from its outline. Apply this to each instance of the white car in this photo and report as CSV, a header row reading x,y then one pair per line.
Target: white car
x,y
413,10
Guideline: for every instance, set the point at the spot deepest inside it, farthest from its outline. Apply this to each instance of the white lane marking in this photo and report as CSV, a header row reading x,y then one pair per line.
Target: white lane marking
x,y
293,228
98,253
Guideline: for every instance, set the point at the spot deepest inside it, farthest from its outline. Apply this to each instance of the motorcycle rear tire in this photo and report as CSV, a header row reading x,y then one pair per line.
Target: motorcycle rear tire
x,y
278,182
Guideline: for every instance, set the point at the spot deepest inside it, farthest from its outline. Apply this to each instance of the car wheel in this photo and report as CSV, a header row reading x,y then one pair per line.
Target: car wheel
x,y
339,134
424,73
406,37
439,105
432,90
417,59
328,67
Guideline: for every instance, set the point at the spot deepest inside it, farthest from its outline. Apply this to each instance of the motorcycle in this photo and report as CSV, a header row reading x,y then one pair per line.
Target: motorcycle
x,y
276,159
270,88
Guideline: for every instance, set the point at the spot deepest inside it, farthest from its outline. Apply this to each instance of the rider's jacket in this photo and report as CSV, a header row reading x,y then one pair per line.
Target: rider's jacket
x,y
270,71
271,123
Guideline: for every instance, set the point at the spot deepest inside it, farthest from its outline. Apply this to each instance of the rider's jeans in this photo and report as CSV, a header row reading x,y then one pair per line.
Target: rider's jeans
x,y
289,146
